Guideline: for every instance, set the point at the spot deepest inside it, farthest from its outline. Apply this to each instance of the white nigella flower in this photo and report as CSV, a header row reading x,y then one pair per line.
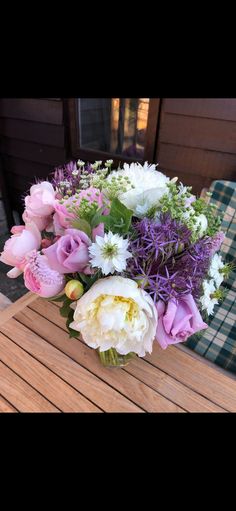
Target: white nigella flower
x,y
208,300
145,186
109,253
216,265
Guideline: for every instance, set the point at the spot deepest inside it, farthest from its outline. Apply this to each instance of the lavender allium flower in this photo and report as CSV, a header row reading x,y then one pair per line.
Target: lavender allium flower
x,y
66,178
165,262
216,242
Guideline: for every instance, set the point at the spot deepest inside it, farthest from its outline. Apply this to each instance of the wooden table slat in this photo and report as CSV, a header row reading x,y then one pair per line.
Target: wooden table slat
x,y
208,382
6,407
22,302
41,369
169,387
129,386
41,378
81,379
20,394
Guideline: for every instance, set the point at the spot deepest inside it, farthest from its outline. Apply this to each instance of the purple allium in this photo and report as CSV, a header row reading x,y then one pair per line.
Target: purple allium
x,y
216,242
66,178
165,262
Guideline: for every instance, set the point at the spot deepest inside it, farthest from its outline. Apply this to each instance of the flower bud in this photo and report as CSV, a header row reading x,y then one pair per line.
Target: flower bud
x,y
74,289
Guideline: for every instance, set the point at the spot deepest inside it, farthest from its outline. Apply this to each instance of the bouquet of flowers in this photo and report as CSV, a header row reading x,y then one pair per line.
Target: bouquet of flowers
x,y
132,255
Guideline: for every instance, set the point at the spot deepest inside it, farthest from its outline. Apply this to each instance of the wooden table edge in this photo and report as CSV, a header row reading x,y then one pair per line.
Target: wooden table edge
x,y
17,306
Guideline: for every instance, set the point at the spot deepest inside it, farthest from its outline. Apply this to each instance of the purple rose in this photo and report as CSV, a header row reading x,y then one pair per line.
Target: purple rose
x,y
70,253
177,320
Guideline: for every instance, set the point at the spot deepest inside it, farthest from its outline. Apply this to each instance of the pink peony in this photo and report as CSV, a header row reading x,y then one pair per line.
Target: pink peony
x,y
178,320
40,278
70,253
24,240
39,205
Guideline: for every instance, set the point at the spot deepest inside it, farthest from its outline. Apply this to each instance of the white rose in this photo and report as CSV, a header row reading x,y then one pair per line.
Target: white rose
x,y
116,313
40,202
147,186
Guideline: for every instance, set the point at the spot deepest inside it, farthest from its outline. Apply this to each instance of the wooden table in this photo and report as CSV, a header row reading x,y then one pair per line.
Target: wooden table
x,y
42,370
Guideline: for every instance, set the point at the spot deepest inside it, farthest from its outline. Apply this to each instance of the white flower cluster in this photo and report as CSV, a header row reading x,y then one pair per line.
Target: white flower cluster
x,y
210,297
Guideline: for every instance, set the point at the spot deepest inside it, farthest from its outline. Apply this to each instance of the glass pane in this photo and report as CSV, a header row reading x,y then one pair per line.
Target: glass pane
x,y
114,125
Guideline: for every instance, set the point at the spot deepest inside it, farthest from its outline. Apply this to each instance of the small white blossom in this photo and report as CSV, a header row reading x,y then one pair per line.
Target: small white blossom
x,y
201,223
109,253
207,300
216,265
108,163
80,163
65,183
99,162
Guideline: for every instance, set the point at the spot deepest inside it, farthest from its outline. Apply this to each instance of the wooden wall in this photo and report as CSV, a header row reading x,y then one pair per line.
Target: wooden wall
x,y
197,140
32,142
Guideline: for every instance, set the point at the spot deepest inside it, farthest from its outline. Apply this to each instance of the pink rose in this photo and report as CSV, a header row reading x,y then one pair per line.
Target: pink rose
x,y
70,253
42,222
39,205
178,320
24,239
40,278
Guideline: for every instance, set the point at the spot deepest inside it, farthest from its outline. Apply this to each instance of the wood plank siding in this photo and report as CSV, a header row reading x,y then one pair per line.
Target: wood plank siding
x,y
32,135
197,140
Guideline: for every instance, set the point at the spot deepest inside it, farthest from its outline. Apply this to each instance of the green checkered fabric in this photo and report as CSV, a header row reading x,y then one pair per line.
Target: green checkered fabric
x,y
218,342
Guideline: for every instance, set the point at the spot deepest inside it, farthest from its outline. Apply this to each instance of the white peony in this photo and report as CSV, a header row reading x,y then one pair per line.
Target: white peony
x,y
116,313
145,188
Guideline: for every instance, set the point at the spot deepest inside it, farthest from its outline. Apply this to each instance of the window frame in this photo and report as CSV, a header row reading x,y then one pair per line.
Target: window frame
x,y
75,151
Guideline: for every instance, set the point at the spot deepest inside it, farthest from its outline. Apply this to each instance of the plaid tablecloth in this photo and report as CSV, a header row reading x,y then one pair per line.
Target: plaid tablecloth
x,y
218,342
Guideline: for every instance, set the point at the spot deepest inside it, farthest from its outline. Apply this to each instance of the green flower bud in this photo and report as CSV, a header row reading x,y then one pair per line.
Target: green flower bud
x,y
74,289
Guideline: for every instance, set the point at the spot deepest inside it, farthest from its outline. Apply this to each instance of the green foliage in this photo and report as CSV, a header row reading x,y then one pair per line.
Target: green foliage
x,y
89,280
67,312
72,332
209,210
65,309
82,225
119,219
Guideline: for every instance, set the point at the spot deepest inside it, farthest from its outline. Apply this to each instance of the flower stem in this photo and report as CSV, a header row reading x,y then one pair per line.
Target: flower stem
x,y
111,358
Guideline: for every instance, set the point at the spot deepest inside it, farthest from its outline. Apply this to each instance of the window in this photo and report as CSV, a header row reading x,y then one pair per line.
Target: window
x,y
118,128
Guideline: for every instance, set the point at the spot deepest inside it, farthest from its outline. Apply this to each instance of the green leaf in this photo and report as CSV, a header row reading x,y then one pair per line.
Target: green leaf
x,y
82,225
89,280
84,278
72,332
119,218
65,309
96,220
